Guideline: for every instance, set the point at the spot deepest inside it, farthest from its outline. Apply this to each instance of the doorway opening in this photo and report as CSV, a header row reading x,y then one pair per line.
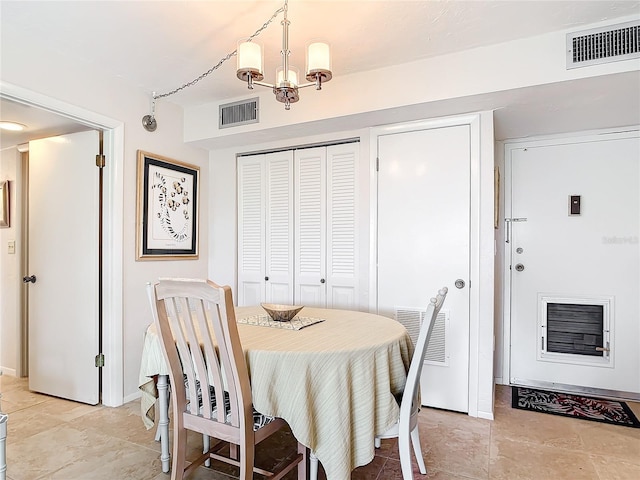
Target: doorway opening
x,y
112,275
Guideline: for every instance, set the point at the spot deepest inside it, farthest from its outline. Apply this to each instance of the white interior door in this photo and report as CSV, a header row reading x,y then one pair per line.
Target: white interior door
x,y
574,263
63,256
251,230
279,227
423,244
311,226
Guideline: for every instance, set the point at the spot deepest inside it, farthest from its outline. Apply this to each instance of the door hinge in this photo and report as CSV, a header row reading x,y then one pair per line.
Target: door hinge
x,y
377,164
101,160
100,360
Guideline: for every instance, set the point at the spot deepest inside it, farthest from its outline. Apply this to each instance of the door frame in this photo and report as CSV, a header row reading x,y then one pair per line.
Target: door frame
x,y
509,147
481,243
112,290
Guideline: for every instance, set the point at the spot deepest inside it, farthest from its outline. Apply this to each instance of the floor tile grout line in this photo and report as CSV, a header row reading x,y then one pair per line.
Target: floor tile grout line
x,y
381,469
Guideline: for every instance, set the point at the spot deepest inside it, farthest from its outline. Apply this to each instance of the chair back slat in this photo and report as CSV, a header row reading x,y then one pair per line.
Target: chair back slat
x,y
213,364
228,330
199,333
410,398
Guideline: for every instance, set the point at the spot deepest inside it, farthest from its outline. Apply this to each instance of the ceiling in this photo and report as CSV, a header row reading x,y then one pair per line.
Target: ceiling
x,y
161,45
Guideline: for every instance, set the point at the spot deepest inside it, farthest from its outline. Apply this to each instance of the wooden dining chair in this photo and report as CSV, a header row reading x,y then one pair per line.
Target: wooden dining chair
x,y
211,392
406,429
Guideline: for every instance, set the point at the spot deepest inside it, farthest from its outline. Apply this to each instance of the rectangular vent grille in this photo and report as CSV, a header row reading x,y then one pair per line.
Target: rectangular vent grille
x,y
603,45
412,320
437,351
238,113
576,329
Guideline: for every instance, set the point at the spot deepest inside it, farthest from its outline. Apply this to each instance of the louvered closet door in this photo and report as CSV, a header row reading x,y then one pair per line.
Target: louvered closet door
x,y
279,228
342,226
251,230
310,226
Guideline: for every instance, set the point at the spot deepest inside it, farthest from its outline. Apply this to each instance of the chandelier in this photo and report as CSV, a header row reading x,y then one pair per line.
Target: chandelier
x,y
287,84
249,69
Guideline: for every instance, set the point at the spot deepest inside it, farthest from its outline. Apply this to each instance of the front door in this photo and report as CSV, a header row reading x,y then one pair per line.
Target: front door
x,y
63,257
423,244
575,263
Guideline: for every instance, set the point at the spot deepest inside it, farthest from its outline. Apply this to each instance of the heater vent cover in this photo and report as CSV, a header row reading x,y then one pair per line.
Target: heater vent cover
x,y
238,113
412,319
603,45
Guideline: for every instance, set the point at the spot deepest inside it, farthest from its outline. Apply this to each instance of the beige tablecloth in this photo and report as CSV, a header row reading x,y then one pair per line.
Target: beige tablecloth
x,y
333,382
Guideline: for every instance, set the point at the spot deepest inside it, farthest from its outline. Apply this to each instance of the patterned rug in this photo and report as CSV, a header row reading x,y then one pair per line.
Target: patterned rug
x,y
577,406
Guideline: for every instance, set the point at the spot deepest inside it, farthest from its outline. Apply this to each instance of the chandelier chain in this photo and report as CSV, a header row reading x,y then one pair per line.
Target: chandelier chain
x,y
224,59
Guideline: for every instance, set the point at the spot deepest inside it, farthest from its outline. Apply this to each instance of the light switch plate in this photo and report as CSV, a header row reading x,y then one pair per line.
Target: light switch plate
x,y
12,247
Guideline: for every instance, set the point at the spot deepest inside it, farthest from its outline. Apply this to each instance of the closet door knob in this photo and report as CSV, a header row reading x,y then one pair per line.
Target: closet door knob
x,y
266,279
322,280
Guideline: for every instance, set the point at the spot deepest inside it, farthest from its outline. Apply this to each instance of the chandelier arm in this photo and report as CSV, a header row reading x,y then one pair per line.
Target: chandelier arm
x,y
263,84
310,84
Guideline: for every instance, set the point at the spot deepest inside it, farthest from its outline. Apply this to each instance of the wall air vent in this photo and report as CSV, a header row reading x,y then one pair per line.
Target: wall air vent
x,y
238,113
412,319
603,45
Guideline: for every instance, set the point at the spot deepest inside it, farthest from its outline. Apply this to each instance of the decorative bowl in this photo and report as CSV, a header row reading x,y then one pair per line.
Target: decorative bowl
x,y
281,313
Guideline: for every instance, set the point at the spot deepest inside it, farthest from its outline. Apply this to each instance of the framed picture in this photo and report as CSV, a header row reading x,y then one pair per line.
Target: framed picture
x,y
167,213
4,204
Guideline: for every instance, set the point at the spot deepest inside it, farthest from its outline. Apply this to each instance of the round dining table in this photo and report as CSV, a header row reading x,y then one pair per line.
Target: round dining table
x,y
331,374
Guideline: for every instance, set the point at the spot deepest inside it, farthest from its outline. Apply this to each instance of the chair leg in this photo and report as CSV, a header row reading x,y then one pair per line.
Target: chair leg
x,y
246,460
233,451
313,466
178,462
415,439
405,456
302,466
206,445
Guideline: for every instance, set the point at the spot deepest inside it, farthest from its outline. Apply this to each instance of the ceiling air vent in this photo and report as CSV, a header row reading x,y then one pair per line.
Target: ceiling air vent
x,y
603,45
238,113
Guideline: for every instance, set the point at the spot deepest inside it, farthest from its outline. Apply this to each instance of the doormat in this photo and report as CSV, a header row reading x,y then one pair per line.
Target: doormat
x,y
576,406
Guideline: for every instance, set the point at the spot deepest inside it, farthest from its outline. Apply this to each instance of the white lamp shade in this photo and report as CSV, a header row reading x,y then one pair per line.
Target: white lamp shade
x,y
318,57
249,56
292,77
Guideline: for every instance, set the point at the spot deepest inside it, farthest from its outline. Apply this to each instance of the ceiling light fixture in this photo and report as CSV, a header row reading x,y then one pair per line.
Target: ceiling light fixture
x,y
12,126
249,69
287,79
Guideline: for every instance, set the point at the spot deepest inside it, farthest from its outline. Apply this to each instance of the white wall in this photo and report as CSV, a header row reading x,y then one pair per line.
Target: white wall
x,y
539,60
10,282
28,63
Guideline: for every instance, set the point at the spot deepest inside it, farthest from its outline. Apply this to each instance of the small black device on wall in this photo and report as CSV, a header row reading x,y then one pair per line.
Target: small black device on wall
x,y
574,204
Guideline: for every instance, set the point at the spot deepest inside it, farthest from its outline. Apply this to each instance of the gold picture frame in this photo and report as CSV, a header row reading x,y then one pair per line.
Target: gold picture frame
x,y
4,204
167,208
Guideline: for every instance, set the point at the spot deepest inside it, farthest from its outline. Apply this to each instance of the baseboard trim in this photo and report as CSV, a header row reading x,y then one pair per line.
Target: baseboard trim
x,y
8,371
560,387
486,415
132,397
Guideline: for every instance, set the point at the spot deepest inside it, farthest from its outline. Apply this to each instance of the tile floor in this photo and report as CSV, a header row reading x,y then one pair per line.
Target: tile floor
x,y
49,438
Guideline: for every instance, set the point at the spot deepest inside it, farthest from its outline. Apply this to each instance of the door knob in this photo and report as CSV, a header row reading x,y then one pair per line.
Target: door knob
x,y
459,283
27,279
519,267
